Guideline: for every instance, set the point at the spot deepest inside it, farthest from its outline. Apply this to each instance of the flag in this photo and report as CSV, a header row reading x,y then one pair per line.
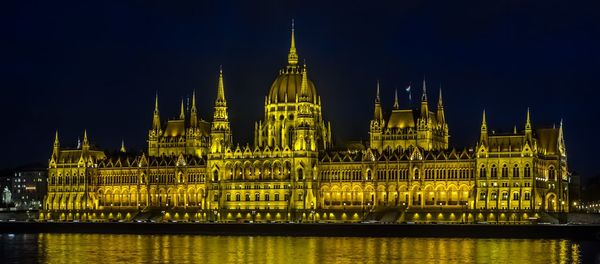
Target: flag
x,y
409,93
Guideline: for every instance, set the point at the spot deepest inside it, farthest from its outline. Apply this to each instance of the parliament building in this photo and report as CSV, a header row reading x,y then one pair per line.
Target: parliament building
x,y
193,170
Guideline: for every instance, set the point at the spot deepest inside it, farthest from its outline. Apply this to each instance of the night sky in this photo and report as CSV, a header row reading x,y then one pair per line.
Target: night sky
x,y
96,66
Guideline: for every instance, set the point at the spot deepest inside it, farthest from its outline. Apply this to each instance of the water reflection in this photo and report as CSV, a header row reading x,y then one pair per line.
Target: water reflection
x,y
90,248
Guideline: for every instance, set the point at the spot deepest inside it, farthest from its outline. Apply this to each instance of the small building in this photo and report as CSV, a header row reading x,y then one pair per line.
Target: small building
x,y
29,186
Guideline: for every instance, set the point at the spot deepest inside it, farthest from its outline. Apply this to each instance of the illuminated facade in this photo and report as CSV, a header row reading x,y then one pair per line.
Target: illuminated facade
x,y
193,170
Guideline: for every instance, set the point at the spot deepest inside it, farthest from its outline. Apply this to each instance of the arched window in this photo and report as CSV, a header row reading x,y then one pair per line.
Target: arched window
x,y
300,174
228,197
504,196
516,171
257,197
494,171
368,175
527,196
267,198
482,196
552,173
482,172
247,197
416,174
504,171
515,196
216,175
527,171
237,197
276,197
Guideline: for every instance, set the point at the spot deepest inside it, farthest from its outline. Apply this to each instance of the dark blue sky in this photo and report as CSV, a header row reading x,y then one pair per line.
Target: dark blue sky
x,y
71,66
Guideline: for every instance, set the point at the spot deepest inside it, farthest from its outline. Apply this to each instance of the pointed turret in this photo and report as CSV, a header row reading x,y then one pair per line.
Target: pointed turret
x,y
193,112
292,55
304,85
220,101
424,103
396,104
220,134
56,147
377,98
86,144
56,142
377,114
182,111
528,129
484,129
156,117
122,150
441,117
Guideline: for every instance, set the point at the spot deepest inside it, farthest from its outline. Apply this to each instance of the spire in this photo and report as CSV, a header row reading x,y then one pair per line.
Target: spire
x,y
221,89
396,104
377,99
483,136
528,121
424,96
193,111
86,143
156,117
377,114
483,122
293,56
304,85
441,116
182,112
56,142
123,146
440,102
424,104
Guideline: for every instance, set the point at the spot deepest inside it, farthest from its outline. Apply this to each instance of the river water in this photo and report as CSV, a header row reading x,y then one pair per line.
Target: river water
x,y
106,248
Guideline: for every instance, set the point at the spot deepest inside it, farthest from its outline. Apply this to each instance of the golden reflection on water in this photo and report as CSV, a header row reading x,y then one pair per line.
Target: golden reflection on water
x,y
96,248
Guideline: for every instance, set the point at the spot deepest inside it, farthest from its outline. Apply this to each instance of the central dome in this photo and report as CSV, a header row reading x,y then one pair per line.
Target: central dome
x,y
289,82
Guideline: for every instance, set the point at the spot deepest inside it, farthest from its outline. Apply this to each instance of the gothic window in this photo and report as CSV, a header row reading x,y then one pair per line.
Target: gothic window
x,y
368,175
267,198
482,196
227,197
257,197
494,171
527,196
552,174
516,171
504,171
300,174
247,197
416,174
527,171
482,172
237,197
216,175
515,196
276,197
504,196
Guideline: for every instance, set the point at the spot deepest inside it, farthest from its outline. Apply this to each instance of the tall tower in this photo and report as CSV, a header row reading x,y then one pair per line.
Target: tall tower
x,y
305,136
220,133
377,123
156,130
